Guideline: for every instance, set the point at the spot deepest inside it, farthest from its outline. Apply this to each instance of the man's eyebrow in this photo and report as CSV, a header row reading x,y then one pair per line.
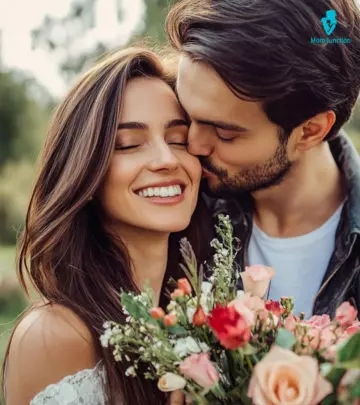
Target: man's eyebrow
x,y
132,125
177,123
227,126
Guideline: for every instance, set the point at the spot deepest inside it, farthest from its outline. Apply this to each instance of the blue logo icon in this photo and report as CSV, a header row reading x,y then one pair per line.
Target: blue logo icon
x,y
329,22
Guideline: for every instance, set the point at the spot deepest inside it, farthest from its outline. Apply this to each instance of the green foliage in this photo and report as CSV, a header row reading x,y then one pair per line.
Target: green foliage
x,y
285,339
16,179
156,11
21,116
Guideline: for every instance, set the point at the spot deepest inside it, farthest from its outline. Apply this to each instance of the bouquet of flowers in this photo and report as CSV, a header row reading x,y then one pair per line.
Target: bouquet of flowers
x,y
224,346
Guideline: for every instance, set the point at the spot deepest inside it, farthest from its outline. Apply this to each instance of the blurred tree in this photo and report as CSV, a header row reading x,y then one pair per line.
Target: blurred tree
x,y
60,35
23,113
156,11
24,110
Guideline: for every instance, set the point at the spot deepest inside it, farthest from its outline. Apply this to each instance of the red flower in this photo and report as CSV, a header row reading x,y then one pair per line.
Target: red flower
x,y
229,326
274,307
199,318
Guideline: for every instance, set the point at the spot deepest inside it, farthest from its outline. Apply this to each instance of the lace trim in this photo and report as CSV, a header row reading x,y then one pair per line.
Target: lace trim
x,y
94,377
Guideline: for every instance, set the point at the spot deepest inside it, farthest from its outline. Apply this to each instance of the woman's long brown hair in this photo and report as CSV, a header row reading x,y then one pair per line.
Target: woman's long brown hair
x,y
64,249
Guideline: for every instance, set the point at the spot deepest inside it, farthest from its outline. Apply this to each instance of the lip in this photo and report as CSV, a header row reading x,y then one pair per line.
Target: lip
x,y
206,173
168,183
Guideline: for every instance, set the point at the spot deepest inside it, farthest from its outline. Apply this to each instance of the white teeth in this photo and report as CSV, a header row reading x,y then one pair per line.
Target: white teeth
x,y
160,191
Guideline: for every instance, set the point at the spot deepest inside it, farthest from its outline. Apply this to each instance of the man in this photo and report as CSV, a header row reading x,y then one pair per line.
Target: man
x,y
267,92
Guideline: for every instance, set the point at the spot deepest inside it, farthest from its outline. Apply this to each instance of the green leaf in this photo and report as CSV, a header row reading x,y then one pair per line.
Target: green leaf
x,y
355,391
136,309
350,349
330,400
177,330
335,376
285,339
248,350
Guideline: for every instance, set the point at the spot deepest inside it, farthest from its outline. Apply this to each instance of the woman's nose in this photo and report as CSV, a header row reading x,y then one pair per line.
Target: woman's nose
x,y
163,158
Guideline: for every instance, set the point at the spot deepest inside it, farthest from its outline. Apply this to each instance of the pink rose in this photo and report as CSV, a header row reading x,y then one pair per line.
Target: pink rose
x,y
318,321
256,279
353,328
290,323
282,377
243,310
199,368
346,314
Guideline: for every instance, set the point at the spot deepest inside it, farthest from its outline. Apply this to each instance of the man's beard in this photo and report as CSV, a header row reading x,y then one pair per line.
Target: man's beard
x,y
251,178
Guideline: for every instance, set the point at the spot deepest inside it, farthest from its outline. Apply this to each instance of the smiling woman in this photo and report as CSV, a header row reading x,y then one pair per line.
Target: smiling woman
x,y
116,191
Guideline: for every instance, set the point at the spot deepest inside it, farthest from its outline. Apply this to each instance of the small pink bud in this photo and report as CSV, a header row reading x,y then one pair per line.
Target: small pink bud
x,y
177,293
199,318
157,313
170,320
184,285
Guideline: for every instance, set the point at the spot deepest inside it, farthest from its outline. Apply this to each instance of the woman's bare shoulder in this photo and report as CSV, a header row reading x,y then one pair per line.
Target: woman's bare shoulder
x,y
48,344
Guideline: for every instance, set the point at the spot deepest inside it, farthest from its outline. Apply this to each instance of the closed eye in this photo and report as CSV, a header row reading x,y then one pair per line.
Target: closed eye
x,y
118,147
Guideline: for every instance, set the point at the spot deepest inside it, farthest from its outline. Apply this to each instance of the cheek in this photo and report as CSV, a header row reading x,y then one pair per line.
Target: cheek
x,y
248,152
192,166
117,184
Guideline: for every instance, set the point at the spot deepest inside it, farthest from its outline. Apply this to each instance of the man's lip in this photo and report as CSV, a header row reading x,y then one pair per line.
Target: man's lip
x,y
163,184
207,173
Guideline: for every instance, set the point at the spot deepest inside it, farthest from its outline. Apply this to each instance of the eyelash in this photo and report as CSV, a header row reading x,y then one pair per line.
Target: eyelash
x,y
135,146
225,140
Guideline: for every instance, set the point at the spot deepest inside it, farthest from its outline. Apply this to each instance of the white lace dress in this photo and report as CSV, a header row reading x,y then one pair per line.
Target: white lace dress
x,y
85,387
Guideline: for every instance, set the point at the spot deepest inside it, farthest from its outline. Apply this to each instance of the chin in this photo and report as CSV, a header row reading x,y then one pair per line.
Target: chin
x,y
172,226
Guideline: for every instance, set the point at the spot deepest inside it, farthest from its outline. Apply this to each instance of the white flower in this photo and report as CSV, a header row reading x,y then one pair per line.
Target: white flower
x,y
130,371
105,337
240,294
171,382
189,345
190,312
206,287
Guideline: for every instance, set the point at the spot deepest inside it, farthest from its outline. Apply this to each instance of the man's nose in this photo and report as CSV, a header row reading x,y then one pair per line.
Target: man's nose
x,y
199,141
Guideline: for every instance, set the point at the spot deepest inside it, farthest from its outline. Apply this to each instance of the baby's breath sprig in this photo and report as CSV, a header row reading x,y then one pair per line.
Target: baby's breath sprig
x,y
224,273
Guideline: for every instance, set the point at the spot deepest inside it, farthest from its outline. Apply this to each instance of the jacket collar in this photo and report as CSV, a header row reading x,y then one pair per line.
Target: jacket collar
x,y
348,160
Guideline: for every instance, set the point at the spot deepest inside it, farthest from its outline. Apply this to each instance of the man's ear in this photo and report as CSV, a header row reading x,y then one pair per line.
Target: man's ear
x,y
313,131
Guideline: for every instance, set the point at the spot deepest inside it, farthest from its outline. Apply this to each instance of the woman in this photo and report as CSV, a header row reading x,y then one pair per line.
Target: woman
x,y
116,186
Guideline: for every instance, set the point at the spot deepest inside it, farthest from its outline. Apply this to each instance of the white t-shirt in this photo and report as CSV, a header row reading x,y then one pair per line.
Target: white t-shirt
x,y
299,262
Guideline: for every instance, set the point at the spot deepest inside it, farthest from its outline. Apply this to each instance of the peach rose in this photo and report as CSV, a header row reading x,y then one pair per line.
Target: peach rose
x,y
171,382
199,368
282,378
346,314
256,279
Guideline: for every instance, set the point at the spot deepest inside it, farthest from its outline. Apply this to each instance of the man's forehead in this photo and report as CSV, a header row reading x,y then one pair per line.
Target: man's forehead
x,y
201,90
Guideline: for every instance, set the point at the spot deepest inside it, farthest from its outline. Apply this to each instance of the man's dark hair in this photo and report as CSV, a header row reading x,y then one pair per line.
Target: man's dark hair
x,y
262,49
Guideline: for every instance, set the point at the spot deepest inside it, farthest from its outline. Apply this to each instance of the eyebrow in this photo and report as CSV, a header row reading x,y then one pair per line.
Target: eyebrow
x,y
227,126
222,125
140,125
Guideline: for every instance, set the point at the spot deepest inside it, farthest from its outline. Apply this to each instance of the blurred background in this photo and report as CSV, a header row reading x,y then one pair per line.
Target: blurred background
x,y
44,45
